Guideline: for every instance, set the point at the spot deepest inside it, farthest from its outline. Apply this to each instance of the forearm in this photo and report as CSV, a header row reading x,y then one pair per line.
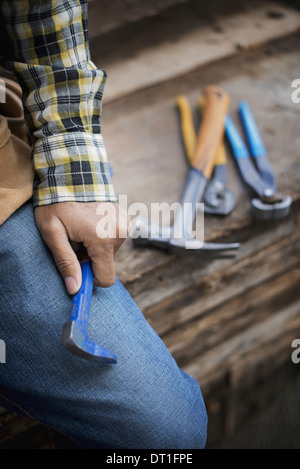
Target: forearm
x,y
62,94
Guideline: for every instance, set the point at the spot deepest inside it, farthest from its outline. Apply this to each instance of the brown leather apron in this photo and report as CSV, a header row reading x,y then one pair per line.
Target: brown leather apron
x,y
16,174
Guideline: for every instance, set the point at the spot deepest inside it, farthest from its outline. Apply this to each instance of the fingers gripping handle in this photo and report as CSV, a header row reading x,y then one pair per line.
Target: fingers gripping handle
x,y
212,129
82,300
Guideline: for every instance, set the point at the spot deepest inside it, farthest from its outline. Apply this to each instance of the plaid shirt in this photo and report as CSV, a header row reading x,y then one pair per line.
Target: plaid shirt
x,y
62,94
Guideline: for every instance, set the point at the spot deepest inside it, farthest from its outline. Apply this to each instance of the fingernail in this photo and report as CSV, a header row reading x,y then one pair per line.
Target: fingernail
x,y
71,285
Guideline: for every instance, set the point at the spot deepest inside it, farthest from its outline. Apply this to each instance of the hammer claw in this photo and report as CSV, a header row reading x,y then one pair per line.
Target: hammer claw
x,y
77,343
74,336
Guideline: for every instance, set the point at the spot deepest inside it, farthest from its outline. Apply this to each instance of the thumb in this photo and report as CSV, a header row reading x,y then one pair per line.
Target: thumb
x,y
56,238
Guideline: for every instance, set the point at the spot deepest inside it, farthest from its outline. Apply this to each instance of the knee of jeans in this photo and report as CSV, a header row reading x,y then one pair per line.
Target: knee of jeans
x,y
179,423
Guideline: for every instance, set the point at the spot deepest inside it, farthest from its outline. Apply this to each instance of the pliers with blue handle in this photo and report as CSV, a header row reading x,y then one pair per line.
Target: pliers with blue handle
x,y
269,204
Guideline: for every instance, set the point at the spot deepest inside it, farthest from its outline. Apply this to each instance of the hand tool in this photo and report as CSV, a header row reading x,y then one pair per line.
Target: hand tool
x,y
218,200
270,204
74,336
209,138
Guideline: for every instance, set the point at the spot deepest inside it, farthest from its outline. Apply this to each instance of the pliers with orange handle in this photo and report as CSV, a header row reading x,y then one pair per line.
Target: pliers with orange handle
x,y
218,200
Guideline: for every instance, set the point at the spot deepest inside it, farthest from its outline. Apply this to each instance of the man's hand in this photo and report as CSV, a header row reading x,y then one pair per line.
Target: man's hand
x,y
101,227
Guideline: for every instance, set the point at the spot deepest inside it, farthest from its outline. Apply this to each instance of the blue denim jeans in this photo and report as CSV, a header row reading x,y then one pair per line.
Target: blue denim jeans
x,y
145,401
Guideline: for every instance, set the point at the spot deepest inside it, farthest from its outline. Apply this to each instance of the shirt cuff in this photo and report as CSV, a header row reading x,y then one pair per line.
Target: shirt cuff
x,y
71,167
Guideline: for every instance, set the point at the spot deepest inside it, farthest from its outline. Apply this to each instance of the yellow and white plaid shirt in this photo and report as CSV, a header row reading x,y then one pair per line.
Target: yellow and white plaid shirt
x,y
62,95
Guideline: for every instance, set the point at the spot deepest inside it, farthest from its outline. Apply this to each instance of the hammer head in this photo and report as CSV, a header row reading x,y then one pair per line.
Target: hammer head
x,y
76,341
74,336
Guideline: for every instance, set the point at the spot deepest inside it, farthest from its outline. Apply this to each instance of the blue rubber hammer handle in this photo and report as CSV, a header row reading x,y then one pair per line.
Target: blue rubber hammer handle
x,y
75,331
82,300
255,142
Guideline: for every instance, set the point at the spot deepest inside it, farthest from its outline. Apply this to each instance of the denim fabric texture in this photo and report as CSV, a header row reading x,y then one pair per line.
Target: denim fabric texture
x,y
145,401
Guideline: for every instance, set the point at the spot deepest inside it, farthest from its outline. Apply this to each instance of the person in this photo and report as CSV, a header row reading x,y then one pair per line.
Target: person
x,y
144,401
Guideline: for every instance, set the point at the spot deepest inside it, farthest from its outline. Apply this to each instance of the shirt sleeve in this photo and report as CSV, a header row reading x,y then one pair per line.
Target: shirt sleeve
x,y
62,97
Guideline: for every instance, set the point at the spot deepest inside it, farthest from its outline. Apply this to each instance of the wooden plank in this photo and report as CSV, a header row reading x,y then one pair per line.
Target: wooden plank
x,y
239,416
12,425
148,145
233,317
259,363
148,57
210,291
172,279
106,15
211,366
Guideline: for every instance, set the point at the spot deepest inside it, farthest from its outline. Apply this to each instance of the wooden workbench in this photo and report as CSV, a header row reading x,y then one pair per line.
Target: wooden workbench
x,y
229,323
